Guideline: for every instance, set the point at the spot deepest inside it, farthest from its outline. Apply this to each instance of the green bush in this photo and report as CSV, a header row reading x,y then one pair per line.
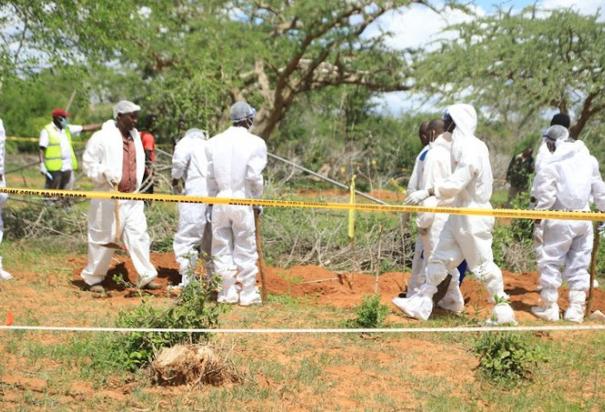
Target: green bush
x,y
193,309
506,358
370,314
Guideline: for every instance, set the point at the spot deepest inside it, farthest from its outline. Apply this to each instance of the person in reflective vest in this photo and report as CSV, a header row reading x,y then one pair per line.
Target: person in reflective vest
x,y
57,157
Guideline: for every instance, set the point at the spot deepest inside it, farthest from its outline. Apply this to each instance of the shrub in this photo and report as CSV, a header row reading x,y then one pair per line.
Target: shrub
x,y
370,314
193,309
507,358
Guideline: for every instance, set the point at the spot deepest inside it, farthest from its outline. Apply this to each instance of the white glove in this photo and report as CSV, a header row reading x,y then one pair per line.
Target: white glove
x,y
111,180
44,171
3,196
601,229
538,234
416,197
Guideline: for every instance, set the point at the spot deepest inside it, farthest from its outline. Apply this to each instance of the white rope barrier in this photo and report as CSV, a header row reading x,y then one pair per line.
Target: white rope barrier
x,y
260,331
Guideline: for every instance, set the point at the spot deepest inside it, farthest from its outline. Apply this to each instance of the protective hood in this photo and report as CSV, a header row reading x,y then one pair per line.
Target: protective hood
x,y
196,134
465,117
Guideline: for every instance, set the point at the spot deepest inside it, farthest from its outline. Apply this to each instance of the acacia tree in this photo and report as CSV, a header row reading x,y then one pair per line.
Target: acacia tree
x,y
520,64
268,52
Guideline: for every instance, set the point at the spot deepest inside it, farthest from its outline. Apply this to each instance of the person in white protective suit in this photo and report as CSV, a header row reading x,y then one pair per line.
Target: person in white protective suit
x,y
437,166
464,236
236,161
566,181
190,164
114,160
414,185
4,275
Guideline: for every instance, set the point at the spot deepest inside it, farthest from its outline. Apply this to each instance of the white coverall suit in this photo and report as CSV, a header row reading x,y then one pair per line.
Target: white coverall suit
x,y
437,166
463,237
236,162
566,181
102,163
4,275
189,163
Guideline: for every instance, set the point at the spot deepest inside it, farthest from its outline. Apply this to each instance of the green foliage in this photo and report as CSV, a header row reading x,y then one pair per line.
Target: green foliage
x,y
370,314
506,358
521,63
193,309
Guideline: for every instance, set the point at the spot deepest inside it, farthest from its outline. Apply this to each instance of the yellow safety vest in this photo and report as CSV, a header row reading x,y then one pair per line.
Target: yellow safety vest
x,y
53,159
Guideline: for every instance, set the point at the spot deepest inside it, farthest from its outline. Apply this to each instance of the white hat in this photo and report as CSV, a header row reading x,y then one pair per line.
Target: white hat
x,y
125,106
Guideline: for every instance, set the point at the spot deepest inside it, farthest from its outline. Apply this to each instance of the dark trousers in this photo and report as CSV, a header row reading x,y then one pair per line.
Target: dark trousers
x,y
59,181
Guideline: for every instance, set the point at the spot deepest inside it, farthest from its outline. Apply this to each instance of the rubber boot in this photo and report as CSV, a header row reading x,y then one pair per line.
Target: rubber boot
x,y
420,305
577,306
453,300
228,292
4,275
249,295
549,309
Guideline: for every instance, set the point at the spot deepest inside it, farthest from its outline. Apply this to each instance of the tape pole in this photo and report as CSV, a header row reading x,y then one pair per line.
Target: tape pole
x,y
363,207
457,329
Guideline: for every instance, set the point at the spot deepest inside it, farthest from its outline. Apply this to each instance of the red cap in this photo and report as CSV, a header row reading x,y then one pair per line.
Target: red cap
x,y
59,113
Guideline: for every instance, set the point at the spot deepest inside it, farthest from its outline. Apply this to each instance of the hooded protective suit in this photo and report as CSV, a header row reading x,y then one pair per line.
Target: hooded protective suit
x,y
236,161
189,163
4,275
566,181
102,163
463,237
437,166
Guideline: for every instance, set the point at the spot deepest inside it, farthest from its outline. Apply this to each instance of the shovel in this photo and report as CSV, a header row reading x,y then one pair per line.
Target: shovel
x,y
117,243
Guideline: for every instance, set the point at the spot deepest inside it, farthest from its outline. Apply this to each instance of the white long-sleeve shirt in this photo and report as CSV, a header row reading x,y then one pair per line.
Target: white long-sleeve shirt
x,y
102,158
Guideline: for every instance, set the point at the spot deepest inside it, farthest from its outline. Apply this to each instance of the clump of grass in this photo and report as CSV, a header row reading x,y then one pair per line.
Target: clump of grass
x,y
370,314
506,358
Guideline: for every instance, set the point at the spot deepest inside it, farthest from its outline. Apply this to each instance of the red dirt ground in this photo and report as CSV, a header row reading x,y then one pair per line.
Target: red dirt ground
x,y
324,287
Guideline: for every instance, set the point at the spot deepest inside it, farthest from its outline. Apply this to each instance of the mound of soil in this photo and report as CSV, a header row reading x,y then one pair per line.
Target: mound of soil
x,y
344,290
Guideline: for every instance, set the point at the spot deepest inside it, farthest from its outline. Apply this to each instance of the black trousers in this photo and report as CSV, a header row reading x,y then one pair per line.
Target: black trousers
x,y
59,181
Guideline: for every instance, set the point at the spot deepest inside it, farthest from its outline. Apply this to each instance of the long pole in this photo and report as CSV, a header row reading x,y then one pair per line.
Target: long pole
x,y
261,259
593,267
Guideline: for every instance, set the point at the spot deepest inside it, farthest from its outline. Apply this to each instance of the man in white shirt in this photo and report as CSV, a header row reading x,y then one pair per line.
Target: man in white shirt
x,y
56,154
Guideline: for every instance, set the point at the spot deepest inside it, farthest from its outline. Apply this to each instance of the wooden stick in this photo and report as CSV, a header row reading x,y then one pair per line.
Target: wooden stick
x,y
593,267
377,268
261,260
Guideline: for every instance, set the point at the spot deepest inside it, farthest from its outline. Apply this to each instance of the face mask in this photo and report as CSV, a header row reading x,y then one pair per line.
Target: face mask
x,y
63,122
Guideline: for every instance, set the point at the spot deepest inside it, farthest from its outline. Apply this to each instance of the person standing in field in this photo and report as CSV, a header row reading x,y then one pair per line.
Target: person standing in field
x,y
114,160
57,157
236,160
567,180
190,165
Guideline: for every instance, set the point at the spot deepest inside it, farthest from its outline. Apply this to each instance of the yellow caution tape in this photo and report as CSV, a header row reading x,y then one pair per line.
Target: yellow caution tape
x,y
364,207
34,139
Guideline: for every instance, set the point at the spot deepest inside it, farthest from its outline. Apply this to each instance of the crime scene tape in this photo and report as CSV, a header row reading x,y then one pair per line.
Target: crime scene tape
x,y
34,139
364,207
456,329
